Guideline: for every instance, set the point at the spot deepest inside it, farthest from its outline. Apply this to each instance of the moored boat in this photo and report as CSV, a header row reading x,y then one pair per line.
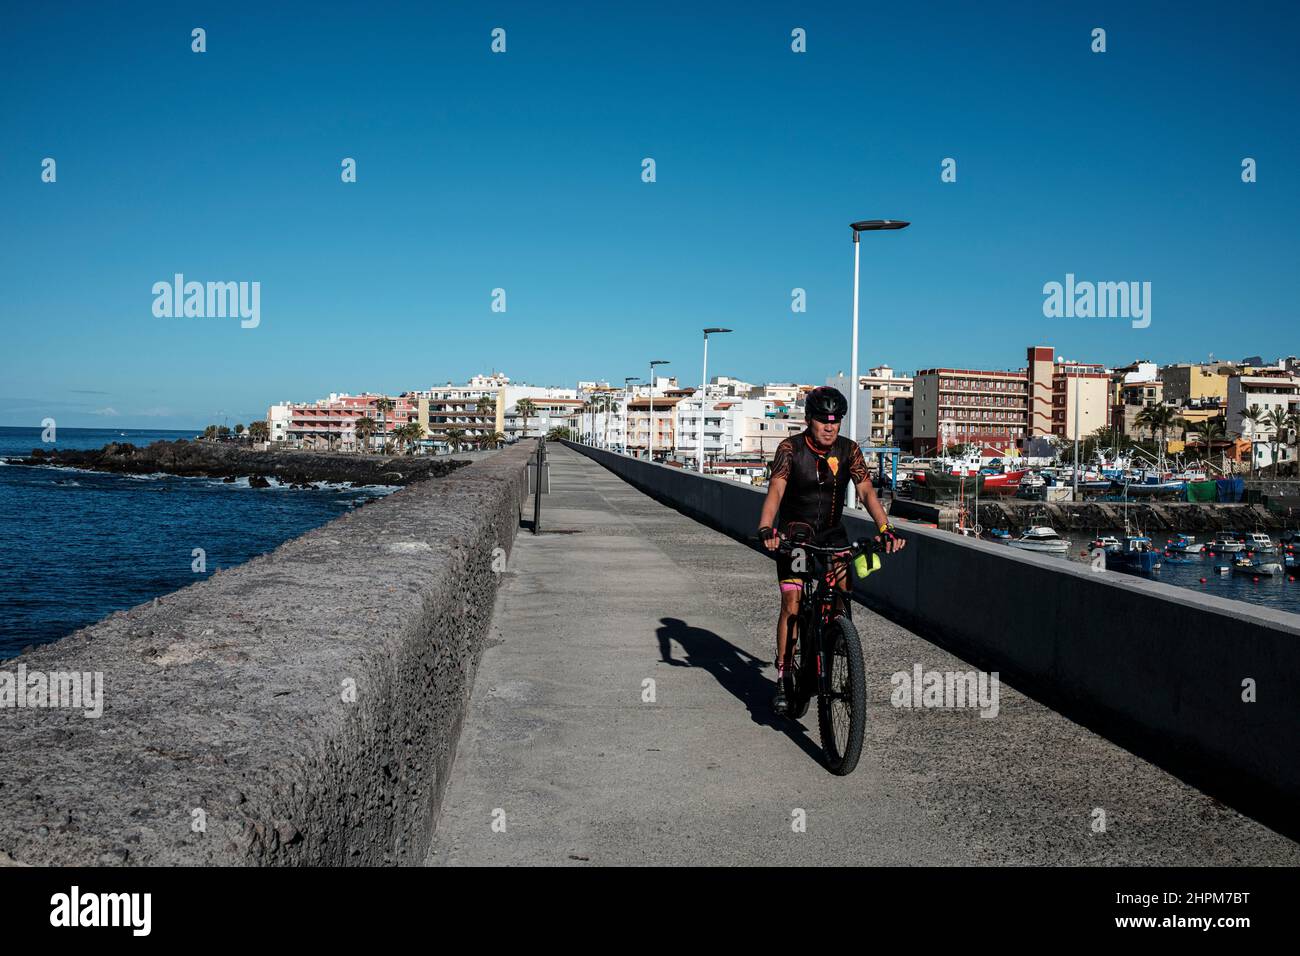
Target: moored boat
x,y
1137,555
1186,544
1260,543
1040,538
1226,543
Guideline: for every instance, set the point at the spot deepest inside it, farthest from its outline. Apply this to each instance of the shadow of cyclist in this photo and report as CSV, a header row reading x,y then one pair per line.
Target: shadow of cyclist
x,y
738,671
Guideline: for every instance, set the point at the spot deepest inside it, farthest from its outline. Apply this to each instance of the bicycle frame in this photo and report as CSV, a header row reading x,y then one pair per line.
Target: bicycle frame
x,y
820,602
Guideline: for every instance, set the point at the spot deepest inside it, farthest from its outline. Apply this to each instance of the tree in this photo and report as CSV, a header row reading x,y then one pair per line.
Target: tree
x,y
384,406
223,432
239,430
1293,426
210,433
526,409
611,408
364,428
259,431
1252,416
556,434
454,437
1279,421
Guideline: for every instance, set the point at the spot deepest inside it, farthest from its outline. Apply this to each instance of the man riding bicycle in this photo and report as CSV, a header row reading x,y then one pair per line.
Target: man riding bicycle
x,y
807,485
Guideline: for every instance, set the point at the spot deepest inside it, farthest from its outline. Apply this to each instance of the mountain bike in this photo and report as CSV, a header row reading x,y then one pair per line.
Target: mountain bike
x,y
824,654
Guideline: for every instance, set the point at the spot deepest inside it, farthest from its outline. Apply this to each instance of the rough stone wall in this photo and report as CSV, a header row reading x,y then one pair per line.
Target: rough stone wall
x,y
224,702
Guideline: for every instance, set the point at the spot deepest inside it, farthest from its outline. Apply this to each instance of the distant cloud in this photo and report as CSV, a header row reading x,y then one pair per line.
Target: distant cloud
x,y
108,412
86,391
156,412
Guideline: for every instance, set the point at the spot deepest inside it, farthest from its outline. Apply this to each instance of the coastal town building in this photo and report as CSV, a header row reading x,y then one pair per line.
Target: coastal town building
x,y
884,407
1067,399
330,423
956,406
1272,390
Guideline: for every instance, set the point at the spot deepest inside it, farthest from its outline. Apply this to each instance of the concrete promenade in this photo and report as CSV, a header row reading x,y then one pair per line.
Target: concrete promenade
x,y
619,589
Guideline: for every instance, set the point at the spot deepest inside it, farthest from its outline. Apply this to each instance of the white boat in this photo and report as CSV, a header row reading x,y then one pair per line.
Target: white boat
x,y
1226,544
1041,538
1186,544
1107,542
1260,543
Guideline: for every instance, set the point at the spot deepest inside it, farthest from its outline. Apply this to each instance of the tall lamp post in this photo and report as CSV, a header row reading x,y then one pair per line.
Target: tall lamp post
x,y
627,381
704,386
650,443
865,225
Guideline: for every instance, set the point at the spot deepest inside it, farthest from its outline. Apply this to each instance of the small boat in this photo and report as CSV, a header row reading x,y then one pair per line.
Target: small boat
x,y
1137,555
1186,544
999,534
1107,542
1040,538
1225,544
1256,569
1261,543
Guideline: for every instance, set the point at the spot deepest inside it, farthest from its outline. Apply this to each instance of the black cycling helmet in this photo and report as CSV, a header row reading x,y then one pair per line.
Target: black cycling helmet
x,y
826,404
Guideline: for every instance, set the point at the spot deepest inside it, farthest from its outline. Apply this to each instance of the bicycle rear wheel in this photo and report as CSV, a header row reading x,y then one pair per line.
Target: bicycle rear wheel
x,y
842,714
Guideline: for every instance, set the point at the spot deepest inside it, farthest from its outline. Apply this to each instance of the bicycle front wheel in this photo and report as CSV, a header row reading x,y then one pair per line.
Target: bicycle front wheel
x,y
842,713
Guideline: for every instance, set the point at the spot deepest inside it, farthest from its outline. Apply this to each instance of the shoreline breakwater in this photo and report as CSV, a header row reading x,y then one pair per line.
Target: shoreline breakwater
x,y
302,708
217,460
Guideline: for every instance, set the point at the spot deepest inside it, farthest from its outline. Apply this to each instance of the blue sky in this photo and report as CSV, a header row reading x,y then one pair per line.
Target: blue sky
x,y
522,171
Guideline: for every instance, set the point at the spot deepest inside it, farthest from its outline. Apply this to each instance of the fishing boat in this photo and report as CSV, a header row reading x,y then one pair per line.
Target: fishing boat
x,y
1186,544
1006,483
1255,568
1040,538
1261,543
1226,543
1107,542
999,534
1136,555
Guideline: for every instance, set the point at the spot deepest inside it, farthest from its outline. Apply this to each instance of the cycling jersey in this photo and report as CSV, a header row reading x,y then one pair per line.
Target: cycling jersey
x,y
817,481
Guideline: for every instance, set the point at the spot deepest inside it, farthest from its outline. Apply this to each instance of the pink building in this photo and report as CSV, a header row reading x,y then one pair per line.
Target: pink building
x,y
331,422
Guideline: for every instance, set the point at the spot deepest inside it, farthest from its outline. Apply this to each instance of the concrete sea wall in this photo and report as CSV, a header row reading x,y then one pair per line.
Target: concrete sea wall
x,y
1158,669
300,709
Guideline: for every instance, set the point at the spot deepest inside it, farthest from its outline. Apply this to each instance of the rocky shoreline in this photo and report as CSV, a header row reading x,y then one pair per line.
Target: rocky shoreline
x,y
214,460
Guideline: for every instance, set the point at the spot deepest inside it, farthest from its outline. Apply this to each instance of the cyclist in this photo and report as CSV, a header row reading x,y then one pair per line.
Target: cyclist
x,y
808,480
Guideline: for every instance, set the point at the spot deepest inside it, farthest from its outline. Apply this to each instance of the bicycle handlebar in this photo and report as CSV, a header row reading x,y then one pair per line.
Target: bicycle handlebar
x,y
865,545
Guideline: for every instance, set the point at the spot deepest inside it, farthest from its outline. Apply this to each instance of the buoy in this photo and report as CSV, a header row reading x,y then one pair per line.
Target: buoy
x,y
1256,580
1202,580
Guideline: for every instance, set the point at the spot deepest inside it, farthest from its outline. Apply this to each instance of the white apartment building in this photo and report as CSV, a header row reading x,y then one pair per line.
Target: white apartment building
x,y
884,412
1278,391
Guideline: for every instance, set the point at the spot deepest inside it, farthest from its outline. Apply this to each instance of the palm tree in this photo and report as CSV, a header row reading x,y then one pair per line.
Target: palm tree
x,y
364,427
1254,415
1293,426
525,408
454,437
259,431
416,432
1279,421
611,408
496,439
384,406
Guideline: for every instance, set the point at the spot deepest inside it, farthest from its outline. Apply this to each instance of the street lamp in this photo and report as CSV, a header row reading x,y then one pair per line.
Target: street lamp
x,y
865,225
628,380
704,385
650,443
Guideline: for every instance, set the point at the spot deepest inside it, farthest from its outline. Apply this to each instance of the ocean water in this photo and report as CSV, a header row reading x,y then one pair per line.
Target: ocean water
x,y
1199,572
76,545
